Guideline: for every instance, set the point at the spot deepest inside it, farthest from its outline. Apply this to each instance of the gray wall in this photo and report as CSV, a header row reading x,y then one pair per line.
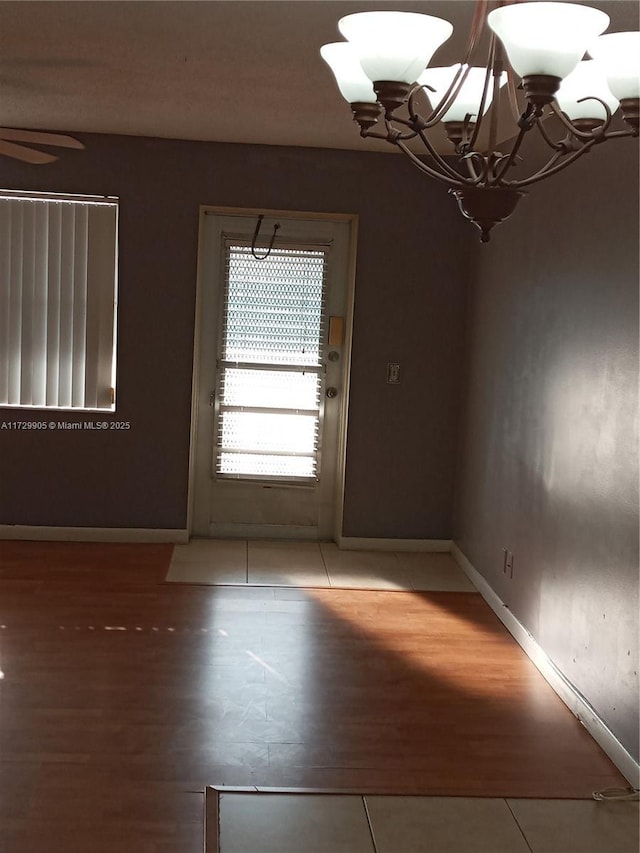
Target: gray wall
x,y
548,466
410,296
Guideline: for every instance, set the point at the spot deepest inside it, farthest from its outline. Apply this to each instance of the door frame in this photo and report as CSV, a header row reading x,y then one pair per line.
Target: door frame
x,y
195,438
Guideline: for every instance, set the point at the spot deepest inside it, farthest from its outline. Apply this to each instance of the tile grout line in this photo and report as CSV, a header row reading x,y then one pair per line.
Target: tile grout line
x,y
369,824
526,840
412,586
324,563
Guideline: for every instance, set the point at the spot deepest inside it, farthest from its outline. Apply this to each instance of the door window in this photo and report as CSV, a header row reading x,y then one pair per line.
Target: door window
x,y
269,404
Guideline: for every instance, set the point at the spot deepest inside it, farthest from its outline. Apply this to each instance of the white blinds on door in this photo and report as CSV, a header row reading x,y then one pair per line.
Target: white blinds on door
x,y
270,365
57,302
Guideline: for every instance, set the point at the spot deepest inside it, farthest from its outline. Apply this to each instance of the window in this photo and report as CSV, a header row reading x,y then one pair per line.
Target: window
x,y
270,365
57,301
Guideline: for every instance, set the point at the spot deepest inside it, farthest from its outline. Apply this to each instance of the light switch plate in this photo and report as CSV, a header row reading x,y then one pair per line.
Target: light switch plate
x,y
393,373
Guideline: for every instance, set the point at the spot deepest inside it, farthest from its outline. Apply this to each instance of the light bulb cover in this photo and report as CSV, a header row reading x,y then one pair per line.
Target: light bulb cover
x,y
467,101
587,80
546,38
353,83
394,46
619,55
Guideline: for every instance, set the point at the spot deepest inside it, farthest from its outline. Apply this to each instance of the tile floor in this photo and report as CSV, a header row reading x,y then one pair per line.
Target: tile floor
x,y
326,823
312,564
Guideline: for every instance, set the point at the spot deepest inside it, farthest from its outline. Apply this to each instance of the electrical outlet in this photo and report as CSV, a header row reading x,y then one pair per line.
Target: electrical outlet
x,y
393,373
508,564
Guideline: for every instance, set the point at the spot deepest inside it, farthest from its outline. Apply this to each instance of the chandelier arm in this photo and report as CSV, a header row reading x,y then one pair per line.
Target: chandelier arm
x,y
617,134
475,177
472,170
504,168
541,173
447,99
412,94
487,165
548,169
393,133
445,102
556,146
511,88
581,134
412,111
449,170
404,137
458,181
508,161
497,66
485,90
477,28
368,133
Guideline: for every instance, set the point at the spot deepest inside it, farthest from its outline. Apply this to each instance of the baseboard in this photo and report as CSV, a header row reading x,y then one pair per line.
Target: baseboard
x,y
354,543
569,694
39,533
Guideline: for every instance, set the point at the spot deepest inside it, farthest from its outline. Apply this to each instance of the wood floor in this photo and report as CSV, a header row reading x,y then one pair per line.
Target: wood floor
x,y
123,696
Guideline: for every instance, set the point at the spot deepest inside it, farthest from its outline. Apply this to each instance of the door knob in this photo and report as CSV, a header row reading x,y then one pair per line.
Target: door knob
x,y
332,392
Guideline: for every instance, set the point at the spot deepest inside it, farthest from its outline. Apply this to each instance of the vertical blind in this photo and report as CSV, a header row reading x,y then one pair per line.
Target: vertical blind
x,y
270,365
57,302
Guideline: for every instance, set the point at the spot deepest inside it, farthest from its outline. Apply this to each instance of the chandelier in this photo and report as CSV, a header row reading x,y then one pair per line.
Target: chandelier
x,y
535,57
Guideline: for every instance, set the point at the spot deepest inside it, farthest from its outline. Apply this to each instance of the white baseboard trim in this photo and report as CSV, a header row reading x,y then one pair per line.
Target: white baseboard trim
x,y
354,543
569,694
37,533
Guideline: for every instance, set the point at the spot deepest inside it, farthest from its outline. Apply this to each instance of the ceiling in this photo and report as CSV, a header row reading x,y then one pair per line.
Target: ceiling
x,y
220,70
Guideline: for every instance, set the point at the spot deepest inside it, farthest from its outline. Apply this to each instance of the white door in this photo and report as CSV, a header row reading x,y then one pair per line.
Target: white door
x,y
273,374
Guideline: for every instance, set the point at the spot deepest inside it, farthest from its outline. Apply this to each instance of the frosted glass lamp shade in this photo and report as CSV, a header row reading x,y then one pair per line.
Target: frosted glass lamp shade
x,y
467,101
353,83
619,55
394,46
546,38
587,79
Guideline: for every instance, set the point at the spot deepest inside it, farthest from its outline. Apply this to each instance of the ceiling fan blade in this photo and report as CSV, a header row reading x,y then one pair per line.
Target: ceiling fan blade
x,y
27,155
40,138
